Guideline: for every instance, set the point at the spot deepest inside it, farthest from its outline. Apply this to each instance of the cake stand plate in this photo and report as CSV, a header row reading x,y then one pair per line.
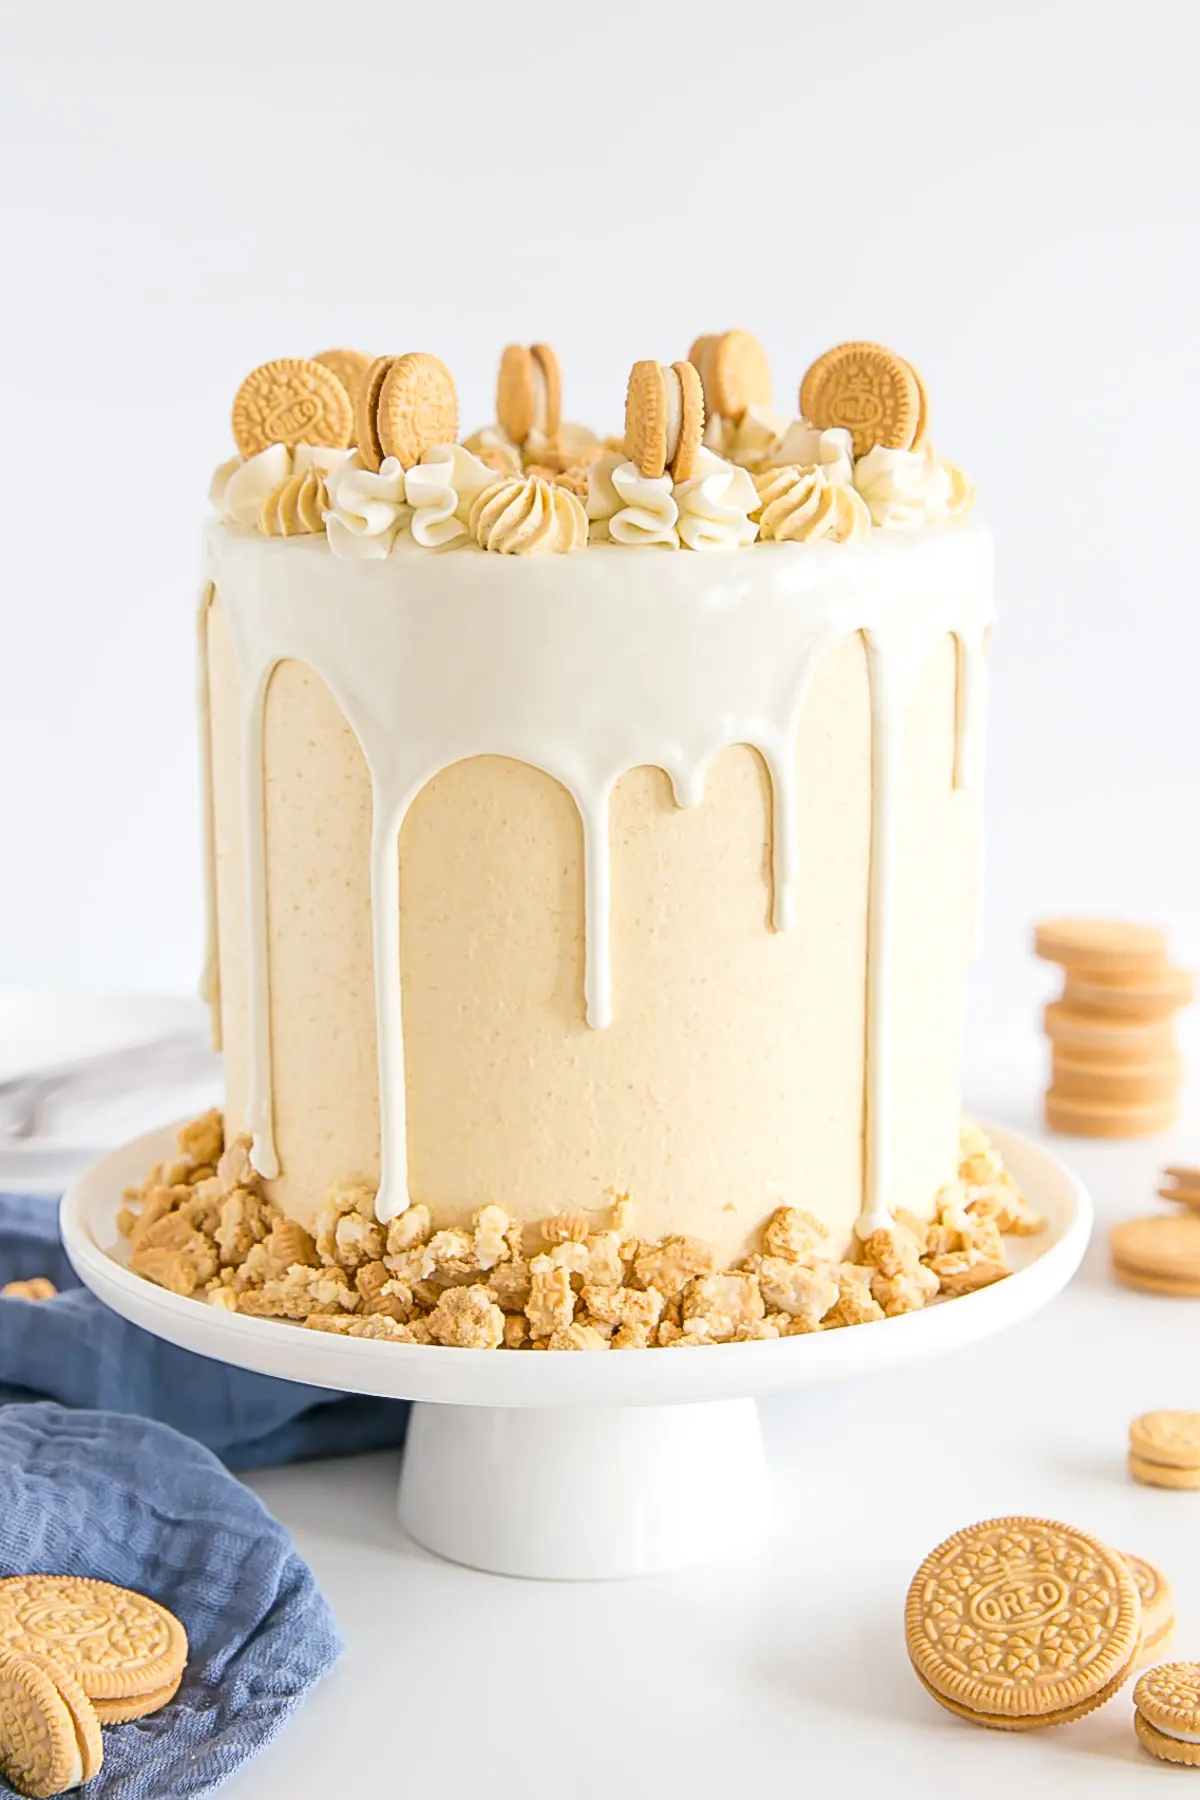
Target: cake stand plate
x,y
570,1465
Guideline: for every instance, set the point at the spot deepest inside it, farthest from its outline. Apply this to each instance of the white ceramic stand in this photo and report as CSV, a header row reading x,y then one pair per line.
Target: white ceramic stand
x,y
579,1465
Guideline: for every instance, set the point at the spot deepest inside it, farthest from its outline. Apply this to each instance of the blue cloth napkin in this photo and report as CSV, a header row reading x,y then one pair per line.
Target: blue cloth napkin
x,y
132,1502
74,1350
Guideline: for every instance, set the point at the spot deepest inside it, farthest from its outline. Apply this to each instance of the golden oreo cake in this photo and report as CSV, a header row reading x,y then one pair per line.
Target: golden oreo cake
x,y
596,821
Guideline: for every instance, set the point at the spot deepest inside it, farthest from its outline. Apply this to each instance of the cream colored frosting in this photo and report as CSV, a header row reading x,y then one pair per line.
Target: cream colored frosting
x,y
715,505
628,507
527,516
807,445
297,507
748,441
367,509
802,505
441,489
239,490
905,488
585,669
491,441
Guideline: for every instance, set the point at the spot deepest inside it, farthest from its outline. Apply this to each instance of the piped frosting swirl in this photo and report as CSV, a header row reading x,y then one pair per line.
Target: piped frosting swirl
x,y
802,505
528,516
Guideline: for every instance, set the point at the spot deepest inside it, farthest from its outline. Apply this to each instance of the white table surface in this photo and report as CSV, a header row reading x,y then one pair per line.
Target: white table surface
x,y
783,1668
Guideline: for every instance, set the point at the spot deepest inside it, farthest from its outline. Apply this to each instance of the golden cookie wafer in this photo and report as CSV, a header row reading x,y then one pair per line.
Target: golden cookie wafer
x,y
867,390
366,411
1107,1118
1114,945
921,434
1161,1244
529,392
1155,1284
1153,1474
735,372
1020,1622
551,373
1158,1606
1089,1036
350,366
138,1706
116,1643
40,1749
1063,1715
418,407
1167,1715
291,401
1181,1185
1075,1080
1170,1437
1153,997
646,418
691,422
84,1716
1166,1749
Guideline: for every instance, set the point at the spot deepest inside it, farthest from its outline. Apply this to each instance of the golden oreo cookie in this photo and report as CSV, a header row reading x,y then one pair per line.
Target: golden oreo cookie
x,y
1114,946
867,390
48,1741
1020,1623
1158,1607
1162,1247
921,434
690,436
1167,1715
735,372
418,407
1171,1438
664,419
1143,1000
349,366
291,401
114,1642
1109,1118
366,409
136,1706
529,392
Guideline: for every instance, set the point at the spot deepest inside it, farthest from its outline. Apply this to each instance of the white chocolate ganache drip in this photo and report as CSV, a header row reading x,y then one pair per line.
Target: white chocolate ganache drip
x,y
587,667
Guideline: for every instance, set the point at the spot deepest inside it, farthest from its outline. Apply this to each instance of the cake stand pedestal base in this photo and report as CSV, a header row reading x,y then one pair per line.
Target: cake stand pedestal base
x,y
588,1494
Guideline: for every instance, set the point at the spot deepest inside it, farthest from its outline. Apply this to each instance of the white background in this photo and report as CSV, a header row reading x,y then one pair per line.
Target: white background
x,y
1006,194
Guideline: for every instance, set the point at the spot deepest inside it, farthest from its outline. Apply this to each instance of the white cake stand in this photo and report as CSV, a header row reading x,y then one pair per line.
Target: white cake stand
x,y
577,1465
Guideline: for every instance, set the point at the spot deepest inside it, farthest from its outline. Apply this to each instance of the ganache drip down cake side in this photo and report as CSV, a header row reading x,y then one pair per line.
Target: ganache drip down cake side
x,y
594,822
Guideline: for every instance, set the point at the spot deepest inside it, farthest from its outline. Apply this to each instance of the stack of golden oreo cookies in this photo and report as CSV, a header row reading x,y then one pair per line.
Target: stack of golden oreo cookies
x,y
1022,1623
77,1654
1164,1449
1115,1068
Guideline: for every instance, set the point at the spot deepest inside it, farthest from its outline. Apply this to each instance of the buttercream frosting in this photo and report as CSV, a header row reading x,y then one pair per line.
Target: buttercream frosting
x,y
628,507
296,508
240,490
441,489
906,488
807,445
367,510
528,516
677,666
799,505
715,505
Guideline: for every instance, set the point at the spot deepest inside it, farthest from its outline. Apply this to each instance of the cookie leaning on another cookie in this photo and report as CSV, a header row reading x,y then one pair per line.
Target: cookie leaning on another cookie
x,y
1022,1623
1167,1712
417,407
1158,1607
49,1733
117,1644
350,366
734,372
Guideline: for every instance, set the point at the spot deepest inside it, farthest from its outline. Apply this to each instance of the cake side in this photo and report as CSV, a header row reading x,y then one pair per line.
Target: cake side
x,y
734,1075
